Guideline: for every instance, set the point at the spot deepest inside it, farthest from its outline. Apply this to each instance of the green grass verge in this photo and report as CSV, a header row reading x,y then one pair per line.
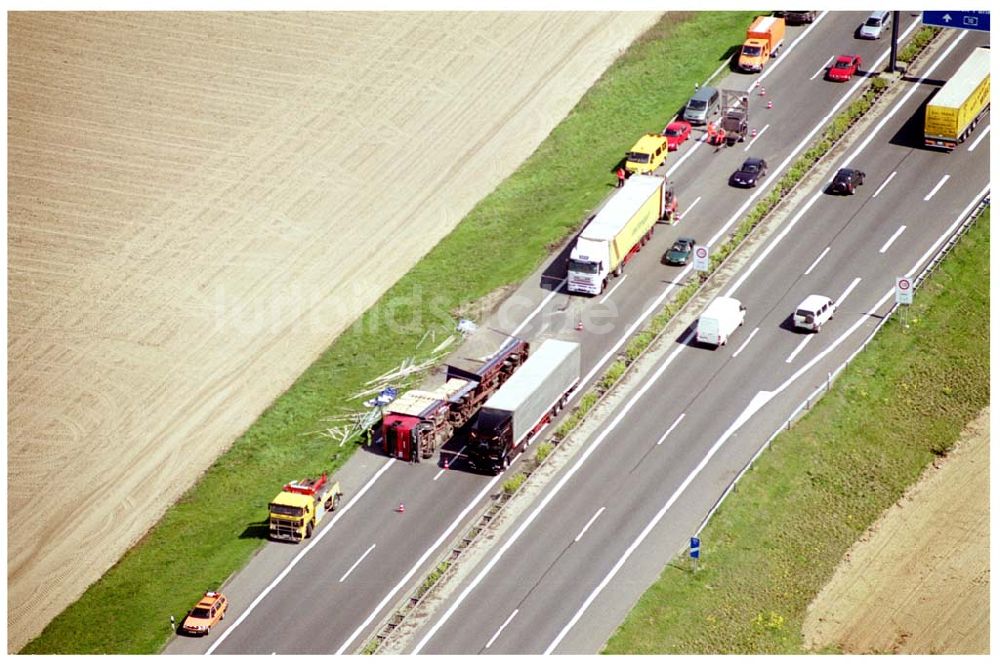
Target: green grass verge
x,y
773,545
218,524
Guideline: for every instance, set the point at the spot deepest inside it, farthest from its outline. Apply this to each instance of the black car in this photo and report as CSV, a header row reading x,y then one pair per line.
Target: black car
x,y
798,17
748,174
847,180
680,253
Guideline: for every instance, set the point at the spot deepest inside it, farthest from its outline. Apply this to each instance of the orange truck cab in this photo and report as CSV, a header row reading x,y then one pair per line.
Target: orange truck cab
x,y
764,37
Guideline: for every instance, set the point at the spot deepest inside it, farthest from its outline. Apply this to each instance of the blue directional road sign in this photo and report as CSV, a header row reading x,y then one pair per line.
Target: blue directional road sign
x,y
695,548
959,19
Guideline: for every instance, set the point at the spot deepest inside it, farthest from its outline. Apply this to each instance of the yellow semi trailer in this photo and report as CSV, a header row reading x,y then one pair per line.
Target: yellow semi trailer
x,y
616,233
955,111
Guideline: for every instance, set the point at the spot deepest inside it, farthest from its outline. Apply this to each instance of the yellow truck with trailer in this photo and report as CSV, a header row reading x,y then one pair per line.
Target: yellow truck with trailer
x,y
617,232
957,108
296,510
764,37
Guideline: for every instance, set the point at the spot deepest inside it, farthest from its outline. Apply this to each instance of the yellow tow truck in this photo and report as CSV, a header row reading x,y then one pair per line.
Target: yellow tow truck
x,y
294,513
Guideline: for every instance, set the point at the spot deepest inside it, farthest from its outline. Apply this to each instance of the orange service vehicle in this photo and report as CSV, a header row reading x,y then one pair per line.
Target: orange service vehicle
x,y
206,614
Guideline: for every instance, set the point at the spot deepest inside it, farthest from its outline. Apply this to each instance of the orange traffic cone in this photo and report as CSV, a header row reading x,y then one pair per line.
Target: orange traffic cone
x,y
446,463
762,91
401,508
753,132
770,104
579,325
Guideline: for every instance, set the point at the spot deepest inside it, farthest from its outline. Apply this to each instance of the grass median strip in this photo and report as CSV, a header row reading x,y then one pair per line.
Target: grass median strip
x,y
773,545
219,523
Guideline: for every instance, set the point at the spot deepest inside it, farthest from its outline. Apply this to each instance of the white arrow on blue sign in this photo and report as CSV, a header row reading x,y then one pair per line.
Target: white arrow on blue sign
x,y
695,548
958,19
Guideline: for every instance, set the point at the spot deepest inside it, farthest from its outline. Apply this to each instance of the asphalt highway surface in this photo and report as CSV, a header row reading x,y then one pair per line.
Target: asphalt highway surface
x,y
649,476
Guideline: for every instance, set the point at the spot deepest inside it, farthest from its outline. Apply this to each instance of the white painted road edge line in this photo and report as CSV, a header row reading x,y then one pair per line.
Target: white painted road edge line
x,y
884,183
759,134
746,342
589,523
693,204
822,254
892,239
545,301
850,288
822,69
302,553
416,566
777,239
581,459
670,429
937,187
795,352
353,566
982,135
502,627
448,463
612,290
761,399
785,52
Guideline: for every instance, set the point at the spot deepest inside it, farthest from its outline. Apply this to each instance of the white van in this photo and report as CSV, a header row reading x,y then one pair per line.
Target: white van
x,y
873,27
722,316
813,312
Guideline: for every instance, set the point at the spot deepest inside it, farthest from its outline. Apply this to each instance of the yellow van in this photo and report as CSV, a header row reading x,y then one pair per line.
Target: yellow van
x,y
648,153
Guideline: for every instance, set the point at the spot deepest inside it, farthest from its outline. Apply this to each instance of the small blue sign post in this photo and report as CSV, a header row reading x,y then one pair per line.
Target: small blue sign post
x,y
695,551
962,20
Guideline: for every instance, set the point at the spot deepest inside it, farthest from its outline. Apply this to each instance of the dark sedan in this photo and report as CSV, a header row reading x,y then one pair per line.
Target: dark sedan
x,y
747,175
847,180
680,253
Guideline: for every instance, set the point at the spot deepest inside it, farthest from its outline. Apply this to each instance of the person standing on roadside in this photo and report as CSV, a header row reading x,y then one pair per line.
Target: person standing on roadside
x,y
621,176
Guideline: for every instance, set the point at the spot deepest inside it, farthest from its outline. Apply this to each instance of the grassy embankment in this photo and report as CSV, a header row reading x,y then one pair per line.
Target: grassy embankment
x,y
217,526
773,545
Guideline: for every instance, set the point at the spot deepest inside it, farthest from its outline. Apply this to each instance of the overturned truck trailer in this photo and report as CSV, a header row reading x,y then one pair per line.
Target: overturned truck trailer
x,y
417,423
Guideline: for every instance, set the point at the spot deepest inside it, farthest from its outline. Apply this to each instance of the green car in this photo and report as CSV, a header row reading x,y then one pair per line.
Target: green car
x,y
680,253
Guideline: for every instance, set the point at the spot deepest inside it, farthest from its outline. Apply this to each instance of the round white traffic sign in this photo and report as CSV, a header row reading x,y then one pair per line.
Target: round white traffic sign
x,y
701,253
903,284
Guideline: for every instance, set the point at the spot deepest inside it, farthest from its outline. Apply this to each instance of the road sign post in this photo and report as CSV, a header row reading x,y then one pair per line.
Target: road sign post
x,y
700,258
904,296
695,551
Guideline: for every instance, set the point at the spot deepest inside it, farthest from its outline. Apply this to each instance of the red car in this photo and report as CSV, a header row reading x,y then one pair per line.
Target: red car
x,y
844,67
677,133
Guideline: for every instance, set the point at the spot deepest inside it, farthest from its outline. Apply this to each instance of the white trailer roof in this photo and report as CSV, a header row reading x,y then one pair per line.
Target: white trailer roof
x,y
763,23
965,80
623,205
536,370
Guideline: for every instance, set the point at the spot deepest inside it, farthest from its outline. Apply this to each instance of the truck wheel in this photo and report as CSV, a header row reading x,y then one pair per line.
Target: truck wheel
x,y
506,462
309,530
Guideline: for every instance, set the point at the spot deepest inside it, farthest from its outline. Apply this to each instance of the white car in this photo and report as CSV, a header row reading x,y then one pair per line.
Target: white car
x,y
873,27
813,312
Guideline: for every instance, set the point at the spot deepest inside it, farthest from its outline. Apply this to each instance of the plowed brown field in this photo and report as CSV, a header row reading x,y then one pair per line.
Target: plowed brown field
x,y
199,203
919,581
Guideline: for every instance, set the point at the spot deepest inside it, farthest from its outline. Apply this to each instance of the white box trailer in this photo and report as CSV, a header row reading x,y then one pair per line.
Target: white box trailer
x,y
537,391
